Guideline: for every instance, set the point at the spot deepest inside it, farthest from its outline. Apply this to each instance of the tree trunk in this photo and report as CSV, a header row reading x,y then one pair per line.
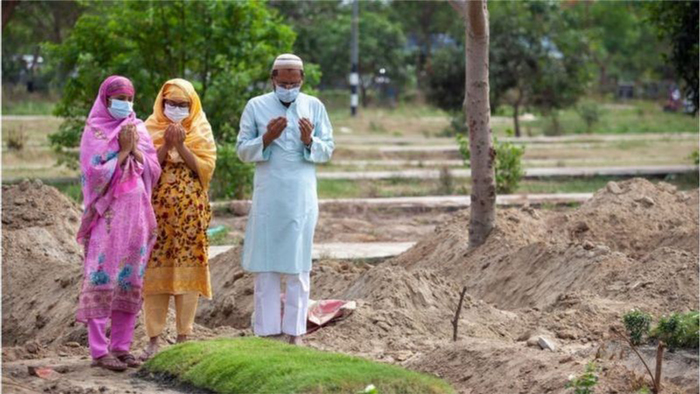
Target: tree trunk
x,y
478,111
8,7
516,121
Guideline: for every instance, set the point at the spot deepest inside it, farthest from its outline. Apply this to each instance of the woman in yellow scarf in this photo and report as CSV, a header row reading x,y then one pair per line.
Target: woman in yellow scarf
x,y
178,265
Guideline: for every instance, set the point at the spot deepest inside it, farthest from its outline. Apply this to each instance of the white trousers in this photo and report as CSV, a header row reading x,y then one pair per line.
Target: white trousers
x,y
268,305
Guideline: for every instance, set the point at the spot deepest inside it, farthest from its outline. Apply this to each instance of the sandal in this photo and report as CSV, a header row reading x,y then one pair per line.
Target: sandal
x,y
128,359
147,353
109,362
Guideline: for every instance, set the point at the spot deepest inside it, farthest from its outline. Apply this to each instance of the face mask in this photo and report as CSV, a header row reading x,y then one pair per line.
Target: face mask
x,y
286,95
120,109
176,114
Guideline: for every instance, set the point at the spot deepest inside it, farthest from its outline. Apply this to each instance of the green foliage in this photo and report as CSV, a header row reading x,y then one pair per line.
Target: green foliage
x,y
254,365
590,112
446,82
323,37
677,23
234,178
695,157
637,324
508,162
224,48
679,330
585,384
509,168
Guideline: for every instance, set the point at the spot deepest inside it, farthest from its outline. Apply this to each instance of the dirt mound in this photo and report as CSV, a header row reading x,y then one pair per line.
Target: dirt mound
x,y
41,267
476,365
232,304
636,217
618,245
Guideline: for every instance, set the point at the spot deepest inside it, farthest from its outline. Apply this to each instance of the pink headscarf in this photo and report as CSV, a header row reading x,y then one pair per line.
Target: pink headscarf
x,y
101,178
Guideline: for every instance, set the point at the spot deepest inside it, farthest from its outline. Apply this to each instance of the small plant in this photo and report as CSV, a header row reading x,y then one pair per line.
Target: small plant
x,y
458,126
509,167
590,112
695,157
16,139
463,143
586,382
679,330
508,163
233,178
376,127
637,324
446,186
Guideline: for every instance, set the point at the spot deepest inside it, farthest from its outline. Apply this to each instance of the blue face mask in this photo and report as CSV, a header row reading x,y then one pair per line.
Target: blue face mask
x,y
286,95
120,109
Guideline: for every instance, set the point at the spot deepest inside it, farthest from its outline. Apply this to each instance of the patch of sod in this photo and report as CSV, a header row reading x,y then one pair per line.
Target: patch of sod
x,y
254,365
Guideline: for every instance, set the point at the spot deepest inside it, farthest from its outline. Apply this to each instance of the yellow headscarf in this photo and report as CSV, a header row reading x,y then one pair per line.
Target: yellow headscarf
x,y
199,139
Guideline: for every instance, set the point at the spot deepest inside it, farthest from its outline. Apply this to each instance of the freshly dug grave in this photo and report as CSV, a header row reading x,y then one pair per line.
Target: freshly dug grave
x,y
41,266
565,276
42,274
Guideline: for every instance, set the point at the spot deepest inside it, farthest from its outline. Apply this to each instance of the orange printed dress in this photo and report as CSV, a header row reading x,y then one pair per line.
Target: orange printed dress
x,y
179,262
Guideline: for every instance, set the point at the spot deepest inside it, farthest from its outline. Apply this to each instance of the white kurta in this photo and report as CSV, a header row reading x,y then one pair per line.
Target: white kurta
x,y
281,223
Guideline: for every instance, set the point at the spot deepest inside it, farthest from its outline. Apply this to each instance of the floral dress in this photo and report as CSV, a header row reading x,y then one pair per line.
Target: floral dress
x,y
179,261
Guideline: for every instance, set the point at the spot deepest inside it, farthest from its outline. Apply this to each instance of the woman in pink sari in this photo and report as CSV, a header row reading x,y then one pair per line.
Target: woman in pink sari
x,y
119,168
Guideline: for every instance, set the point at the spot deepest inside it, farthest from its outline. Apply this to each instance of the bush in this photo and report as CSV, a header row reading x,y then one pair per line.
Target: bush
x,y
509,168
508,163
587,381
590,112
234,42
16,139
679,330
695,157
637,324
458,126
233,178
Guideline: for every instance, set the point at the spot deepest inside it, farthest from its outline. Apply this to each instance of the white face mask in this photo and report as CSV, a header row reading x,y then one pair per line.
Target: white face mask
x,y
120,109
176,114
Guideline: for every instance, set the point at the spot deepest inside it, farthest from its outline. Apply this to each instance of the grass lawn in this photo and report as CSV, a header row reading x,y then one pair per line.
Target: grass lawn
x,y
332,188
343,188
254,365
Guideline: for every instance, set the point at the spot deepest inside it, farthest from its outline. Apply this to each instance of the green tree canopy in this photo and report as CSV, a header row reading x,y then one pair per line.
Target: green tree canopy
x,y
677,23
224,48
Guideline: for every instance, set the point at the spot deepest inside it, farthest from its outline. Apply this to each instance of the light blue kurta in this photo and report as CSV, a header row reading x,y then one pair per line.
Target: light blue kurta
x,y
281,223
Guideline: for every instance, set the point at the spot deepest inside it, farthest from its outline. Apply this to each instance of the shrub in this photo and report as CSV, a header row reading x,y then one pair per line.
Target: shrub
x,y
679,330
233,178
586,382
637,324
16,139
590,112
508,163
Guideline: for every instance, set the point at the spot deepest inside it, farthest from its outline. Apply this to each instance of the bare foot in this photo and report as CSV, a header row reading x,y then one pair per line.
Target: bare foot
x,y
181,338
296,340
150,350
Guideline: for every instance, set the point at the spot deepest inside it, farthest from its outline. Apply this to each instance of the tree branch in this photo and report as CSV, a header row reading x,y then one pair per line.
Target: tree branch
x,y
634,348
455,322
460,6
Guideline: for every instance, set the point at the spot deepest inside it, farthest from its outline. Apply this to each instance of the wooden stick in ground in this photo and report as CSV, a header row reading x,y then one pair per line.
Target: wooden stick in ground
x,y
455,322
634,348
659,361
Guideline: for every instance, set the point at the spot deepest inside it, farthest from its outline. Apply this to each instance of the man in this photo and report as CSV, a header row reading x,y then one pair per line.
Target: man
x,y
285,133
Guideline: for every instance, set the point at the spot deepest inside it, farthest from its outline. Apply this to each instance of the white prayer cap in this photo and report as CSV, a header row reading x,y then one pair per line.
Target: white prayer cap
x,y
288,61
